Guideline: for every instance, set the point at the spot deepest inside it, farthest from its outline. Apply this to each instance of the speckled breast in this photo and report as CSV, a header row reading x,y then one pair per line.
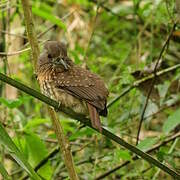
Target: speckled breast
x,y
49,89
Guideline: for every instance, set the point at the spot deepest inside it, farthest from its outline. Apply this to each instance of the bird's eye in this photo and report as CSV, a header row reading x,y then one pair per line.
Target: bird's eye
x,y
49,56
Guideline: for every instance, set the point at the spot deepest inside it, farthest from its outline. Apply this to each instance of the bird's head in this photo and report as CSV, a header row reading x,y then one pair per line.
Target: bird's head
x,y
55,53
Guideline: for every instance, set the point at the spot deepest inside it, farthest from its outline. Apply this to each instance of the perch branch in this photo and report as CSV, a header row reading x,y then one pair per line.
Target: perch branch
x,y
86,121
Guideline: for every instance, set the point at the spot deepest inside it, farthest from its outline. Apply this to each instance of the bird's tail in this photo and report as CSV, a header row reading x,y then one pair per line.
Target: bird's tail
x,y
94,116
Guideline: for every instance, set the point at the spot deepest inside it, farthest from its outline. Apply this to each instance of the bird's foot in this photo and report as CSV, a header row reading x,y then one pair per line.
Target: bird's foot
x,y
59,105
81,126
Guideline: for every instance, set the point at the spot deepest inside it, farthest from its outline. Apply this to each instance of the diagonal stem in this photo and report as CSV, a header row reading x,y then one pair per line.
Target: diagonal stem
x,y
86,121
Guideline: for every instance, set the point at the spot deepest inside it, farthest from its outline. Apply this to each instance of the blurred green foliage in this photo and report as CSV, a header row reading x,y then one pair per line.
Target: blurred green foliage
x,y
113,39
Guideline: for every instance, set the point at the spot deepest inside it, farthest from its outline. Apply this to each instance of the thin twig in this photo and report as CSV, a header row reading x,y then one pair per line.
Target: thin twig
x,y
92,32
14,53
106,8
13,34
154,80
18,52
51,27
143,80
39,36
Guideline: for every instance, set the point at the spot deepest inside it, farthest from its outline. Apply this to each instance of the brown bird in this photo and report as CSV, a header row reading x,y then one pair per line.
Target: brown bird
x,y
71,85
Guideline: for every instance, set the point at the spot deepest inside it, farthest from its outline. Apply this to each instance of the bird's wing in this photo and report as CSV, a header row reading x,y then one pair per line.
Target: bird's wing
x,y
84,85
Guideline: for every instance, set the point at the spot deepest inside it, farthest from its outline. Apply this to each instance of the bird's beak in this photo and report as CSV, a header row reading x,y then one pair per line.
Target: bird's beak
x,y
64,64
60,61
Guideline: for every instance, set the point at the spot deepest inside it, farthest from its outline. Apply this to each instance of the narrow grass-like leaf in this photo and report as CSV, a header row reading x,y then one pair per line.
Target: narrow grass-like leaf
x,y
147,143
48,16
15,153
122,154
35,122
11,103
172,121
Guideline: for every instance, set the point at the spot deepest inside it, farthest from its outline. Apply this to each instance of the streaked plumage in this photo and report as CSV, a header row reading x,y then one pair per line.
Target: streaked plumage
x,y
71,85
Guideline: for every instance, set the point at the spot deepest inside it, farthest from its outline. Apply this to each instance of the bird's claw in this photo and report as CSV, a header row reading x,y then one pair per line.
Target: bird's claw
x,y
59,105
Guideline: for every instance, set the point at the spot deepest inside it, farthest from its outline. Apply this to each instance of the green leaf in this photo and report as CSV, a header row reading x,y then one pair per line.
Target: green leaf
x,y
122,154
11,103
163,151
46,7
3,172
81,133
20,142
37,151
68,125
163,89
16,154
172,121
48,16
35,122
147,143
